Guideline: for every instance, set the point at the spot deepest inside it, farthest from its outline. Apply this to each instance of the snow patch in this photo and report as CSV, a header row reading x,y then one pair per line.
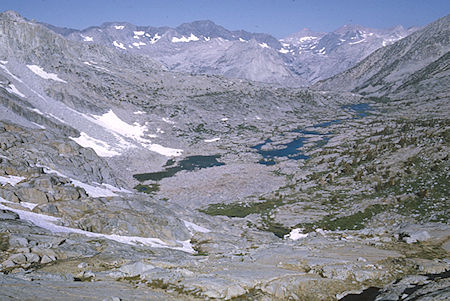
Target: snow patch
x,y
155,38
224,119
100,190
165,151
357,42
418,236
37,111
242,40
2,66
211,140
12,89
207,39
184,39
87,39
138,44
283,50
94,191
139,113
113,123
195,228
306,39
94,64
296,234
119,27
101,148
119,128
166,120
119,45
30,206
40,72
13,180
48,222
38,125
263,45
56,118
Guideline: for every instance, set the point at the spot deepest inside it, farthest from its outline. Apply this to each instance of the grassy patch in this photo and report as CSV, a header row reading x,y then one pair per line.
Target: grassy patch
x,y
149,189
242,209
354,221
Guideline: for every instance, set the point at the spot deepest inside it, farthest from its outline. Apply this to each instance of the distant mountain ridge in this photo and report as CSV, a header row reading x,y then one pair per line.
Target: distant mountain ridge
x,y
414,65
203,47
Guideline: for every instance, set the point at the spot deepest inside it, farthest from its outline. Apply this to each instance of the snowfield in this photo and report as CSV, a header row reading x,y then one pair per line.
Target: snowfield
x,y
41,73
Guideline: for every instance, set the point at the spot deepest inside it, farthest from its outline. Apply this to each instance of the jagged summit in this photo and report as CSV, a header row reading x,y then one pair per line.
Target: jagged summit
x,y
11,14
404,65
201,47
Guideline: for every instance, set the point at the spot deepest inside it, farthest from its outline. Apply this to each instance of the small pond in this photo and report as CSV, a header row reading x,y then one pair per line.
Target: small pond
x,y
171,167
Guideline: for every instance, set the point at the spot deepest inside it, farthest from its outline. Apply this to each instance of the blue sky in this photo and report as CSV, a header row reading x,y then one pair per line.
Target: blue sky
x,y
277,17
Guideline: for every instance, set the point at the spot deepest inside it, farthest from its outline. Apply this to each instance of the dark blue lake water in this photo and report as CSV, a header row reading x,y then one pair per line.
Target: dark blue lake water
x,y
171,167
291,150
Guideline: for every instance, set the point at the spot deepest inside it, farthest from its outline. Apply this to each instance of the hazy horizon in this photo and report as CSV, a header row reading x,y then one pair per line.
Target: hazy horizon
x,y
278,18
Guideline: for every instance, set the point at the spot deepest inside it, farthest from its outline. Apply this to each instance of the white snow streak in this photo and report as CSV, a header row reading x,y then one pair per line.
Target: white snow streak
x,y
165,151
101,148
283,50
119,45
8,72
296,234
47,222
40,72
305,39
37,111
195,228
120,129
192,37
155,39
39,125
360,41
30,206
211,140
263,45
100,190
138,44
13,180
87,39
12,89
119,27
113,123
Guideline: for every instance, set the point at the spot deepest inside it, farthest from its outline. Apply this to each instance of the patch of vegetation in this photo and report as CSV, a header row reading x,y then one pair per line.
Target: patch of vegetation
x,y
276,228
243,209
149,189
4,242
355,221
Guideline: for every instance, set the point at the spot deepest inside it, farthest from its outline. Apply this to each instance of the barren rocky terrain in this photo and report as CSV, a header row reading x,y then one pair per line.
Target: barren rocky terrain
x,y
121,180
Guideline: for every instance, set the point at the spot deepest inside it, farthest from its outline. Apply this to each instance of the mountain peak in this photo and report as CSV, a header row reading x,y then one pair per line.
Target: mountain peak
x,y
351,28
205,28
12,15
